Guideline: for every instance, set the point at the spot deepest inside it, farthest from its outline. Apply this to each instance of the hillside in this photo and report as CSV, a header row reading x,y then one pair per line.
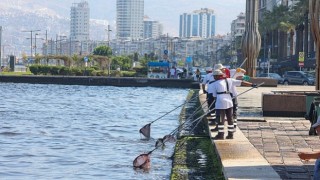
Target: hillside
x,y
17,16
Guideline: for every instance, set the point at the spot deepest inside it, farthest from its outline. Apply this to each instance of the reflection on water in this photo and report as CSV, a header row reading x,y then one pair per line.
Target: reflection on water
x,y
84,132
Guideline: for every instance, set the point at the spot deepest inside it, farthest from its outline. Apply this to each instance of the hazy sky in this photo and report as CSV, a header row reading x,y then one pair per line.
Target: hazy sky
x,y
167,11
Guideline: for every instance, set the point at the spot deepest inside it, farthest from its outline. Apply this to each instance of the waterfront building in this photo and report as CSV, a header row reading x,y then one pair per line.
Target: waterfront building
x,y
130,15
152,29
200,23
80,21
80,25
238,26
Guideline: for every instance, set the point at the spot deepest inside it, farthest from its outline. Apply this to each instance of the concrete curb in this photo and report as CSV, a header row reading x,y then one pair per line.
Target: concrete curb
x,y
239,158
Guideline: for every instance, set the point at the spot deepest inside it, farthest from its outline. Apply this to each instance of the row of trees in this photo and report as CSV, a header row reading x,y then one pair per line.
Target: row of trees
x,y
101,62
278,28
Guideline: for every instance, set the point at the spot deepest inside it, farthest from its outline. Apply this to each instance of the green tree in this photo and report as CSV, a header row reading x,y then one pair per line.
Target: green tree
x,y
144,61
105,54
135,57
102,51
124,62
37,58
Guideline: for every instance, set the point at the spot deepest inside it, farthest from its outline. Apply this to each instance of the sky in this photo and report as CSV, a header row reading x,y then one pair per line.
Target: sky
x,y
168,11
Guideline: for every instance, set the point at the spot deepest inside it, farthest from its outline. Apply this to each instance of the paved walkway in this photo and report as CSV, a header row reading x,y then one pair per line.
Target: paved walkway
x,y
265,145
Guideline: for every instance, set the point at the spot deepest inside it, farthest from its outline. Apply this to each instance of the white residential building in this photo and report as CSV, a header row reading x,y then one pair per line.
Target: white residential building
x,y
79,26
152,29
80,21
238,26
200,23
130,15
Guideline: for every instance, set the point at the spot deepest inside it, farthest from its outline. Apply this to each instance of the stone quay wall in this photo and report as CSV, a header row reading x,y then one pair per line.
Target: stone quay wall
x,y
102,81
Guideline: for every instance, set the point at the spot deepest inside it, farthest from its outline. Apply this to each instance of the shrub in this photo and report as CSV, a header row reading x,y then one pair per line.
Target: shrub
x,y
115,73
102,73
44,69
34,69
54,70
75,72
128,73
90,72
64,71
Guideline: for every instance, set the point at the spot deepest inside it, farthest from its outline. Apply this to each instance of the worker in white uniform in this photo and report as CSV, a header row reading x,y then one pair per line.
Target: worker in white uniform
x,y
236,74
208,79
223,90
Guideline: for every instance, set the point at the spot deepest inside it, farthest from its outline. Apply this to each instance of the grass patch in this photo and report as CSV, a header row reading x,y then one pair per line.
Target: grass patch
x,y
194,156
195,159
15,73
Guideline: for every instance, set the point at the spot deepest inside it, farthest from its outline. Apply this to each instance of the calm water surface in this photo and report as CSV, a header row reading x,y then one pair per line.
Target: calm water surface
x,y
83,132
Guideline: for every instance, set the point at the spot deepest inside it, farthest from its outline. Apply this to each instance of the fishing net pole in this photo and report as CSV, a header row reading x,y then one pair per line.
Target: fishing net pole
x,y
143,160
146,129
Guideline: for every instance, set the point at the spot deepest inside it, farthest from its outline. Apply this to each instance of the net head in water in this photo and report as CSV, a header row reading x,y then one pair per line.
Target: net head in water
x,y
142,161
145,130
169,138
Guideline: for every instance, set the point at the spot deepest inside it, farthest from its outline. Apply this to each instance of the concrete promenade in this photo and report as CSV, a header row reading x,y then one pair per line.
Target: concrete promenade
x,y
266,147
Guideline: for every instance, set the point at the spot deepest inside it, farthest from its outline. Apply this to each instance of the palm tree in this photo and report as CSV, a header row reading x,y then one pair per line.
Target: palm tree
x,y
289,27
269,25
282,21
299,17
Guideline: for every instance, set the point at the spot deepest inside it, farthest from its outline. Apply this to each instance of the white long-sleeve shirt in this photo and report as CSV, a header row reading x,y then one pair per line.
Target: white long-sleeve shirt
x,y
207,81
224,101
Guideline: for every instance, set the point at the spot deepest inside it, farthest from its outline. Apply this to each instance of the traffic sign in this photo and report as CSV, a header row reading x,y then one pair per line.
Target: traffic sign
x,y
301,56
165,51
189,59
301,64
85,59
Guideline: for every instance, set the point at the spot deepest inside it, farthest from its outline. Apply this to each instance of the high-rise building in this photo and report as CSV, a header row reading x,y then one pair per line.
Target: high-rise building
x,y
200,23
130,15
80,21
152,29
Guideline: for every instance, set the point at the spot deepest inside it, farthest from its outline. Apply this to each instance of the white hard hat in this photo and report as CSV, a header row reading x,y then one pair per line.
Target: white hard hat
x,y
218,66
217,72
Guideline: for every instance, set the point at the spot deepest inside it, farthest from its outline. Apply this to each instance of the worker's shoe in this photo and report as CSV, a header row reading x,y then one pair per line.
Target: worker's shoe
x,y
212,123
230,136
219,136
214,129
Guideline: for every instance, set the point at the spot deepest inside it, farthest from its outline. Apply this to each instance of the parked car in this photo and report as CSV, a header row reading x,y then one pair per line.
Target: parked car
x,y
298,77
273,76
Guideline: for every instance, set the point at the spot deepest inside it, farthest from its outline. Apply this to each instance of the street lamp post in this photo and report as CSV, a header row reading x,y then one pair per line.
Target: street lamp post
x,y
35,43
31,31
269,56
108,32
60,49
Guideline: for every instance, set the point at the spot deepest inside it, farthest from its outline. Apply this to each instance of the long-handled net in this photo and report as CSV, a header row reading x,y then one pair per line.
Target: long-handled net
x,y
146,129
143,160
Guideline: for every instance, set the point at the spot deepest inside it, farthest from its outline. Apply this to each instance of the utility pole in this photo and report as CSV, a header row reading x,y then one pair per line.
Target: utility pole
x,y
35,43
46,50
31,31
108,31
